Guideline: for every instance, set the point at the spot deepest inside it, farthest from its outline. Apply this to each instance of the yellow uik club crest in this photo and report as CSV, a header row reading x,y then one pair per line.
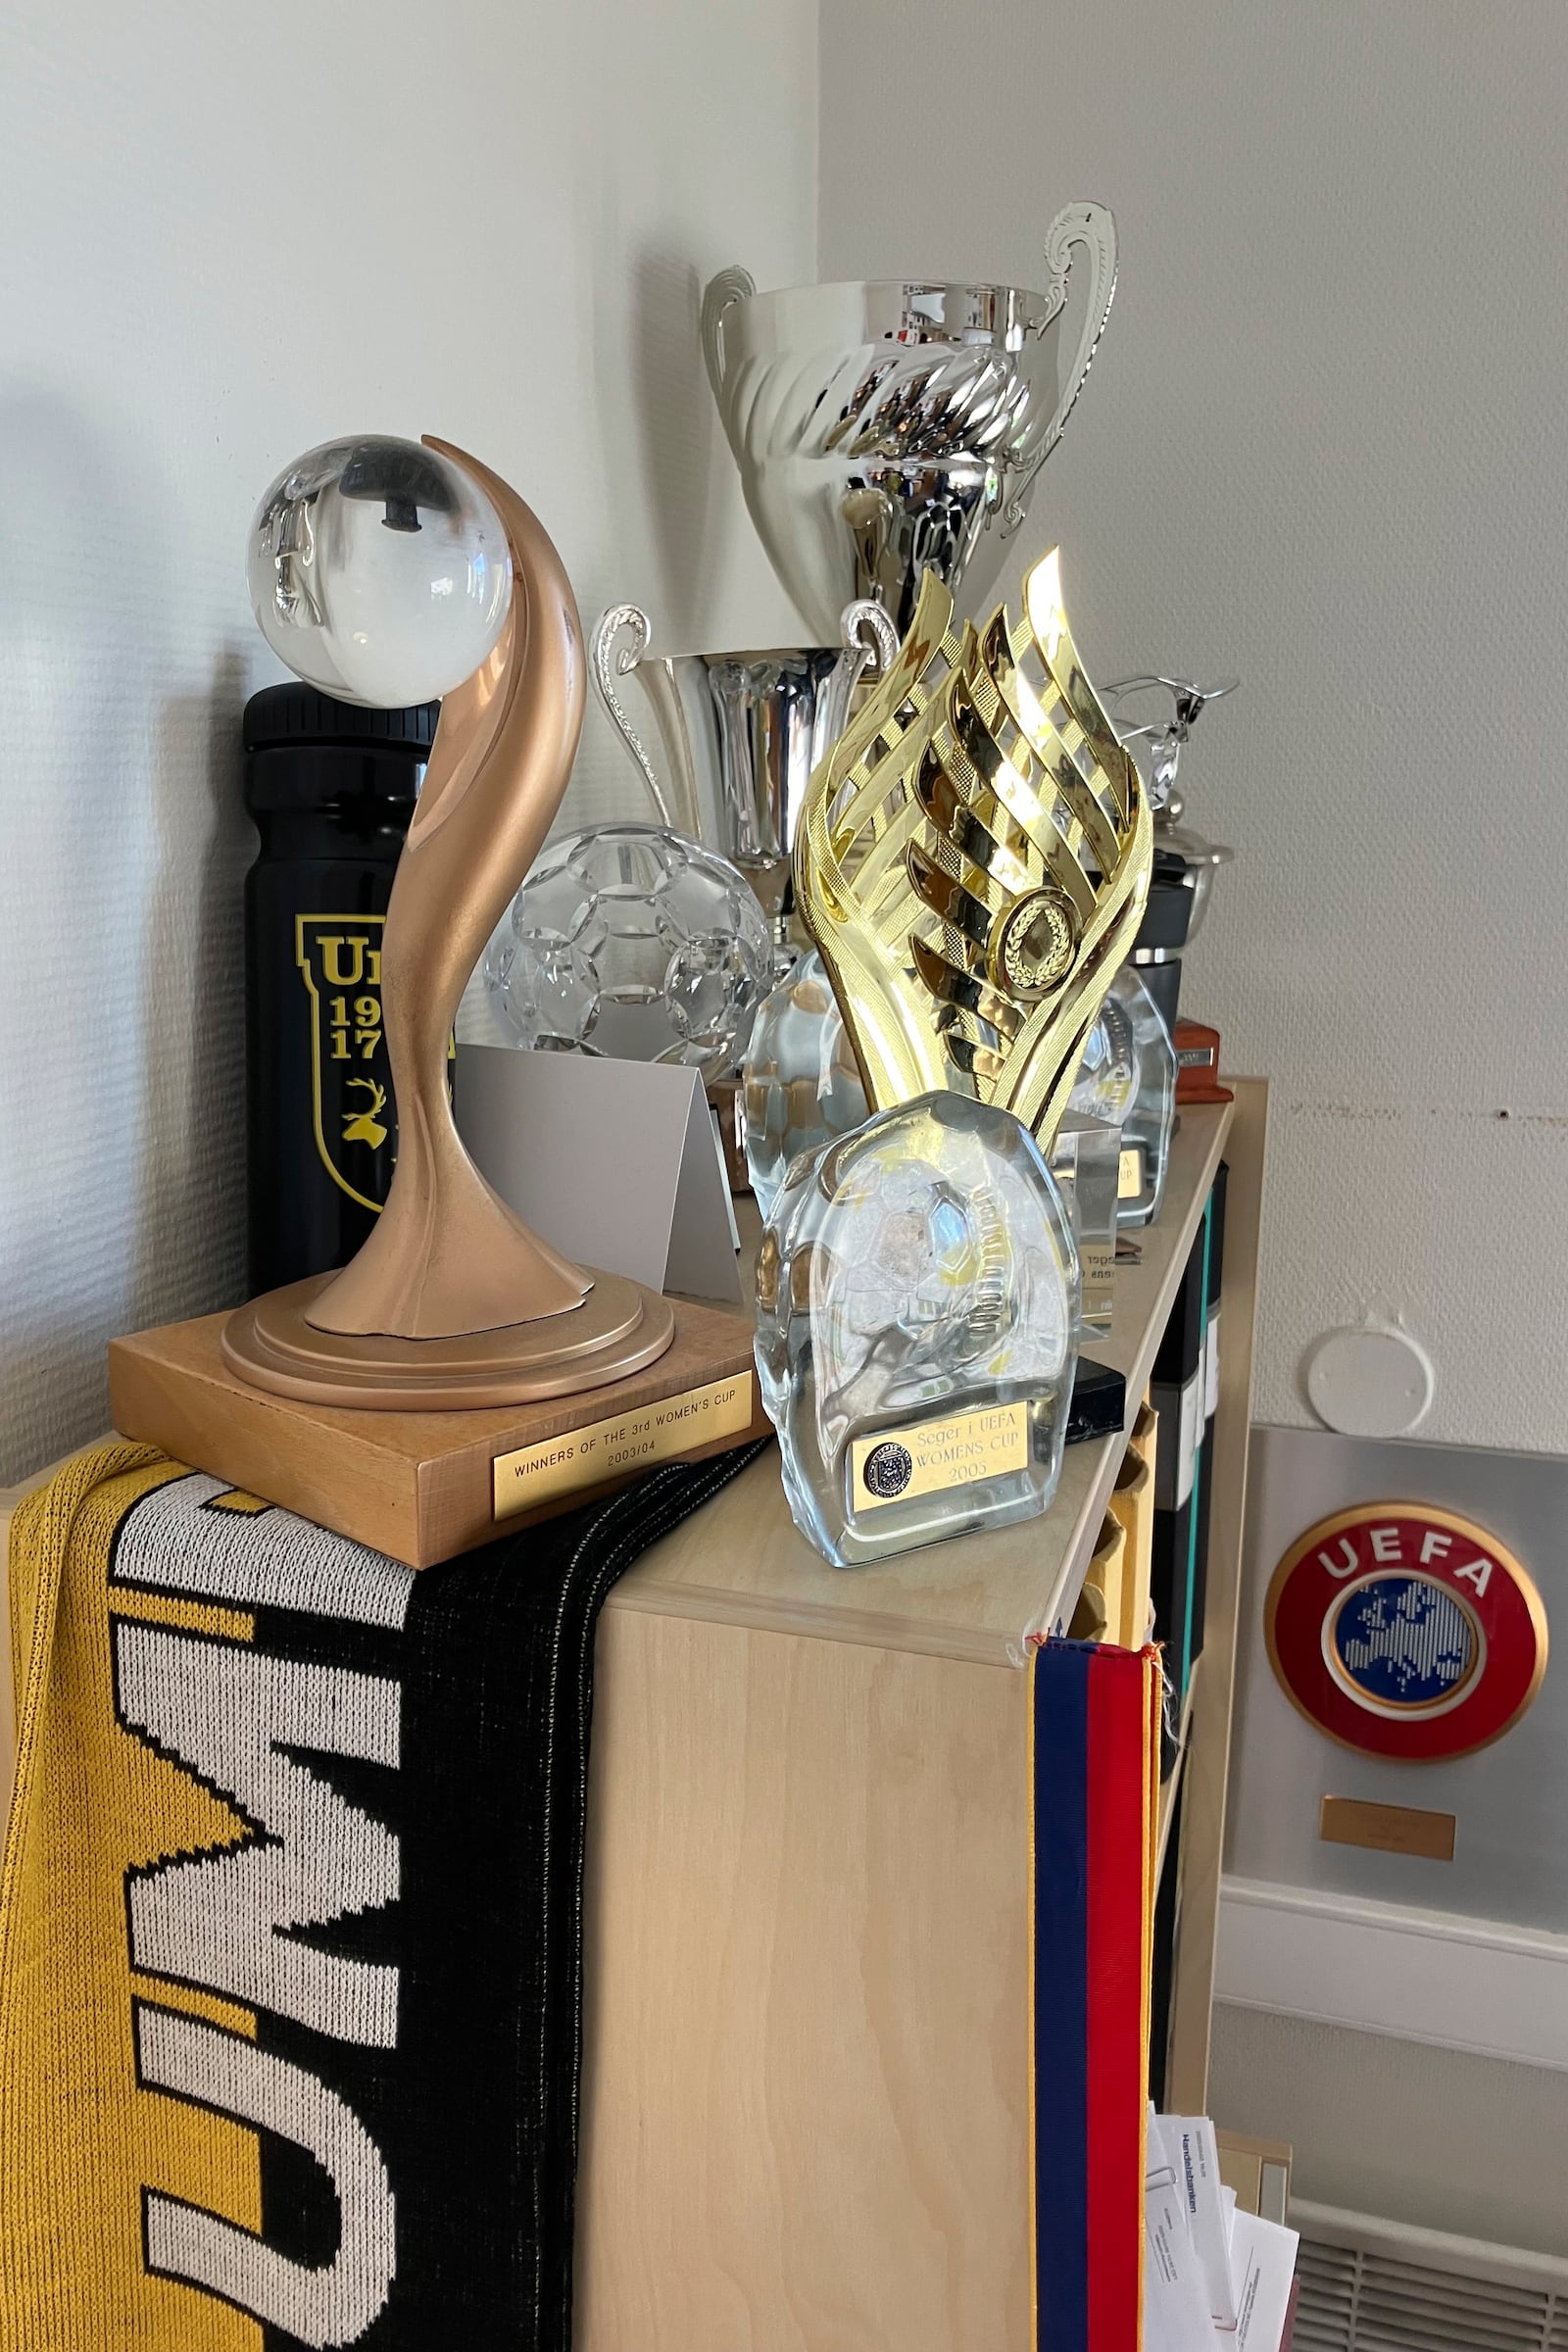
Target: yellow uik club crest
x,y
340,956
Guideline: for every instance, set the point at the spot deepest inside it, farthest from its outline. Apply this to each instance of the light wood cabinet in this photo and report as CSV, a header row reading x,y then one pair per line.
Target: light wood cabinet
x,y
805,2093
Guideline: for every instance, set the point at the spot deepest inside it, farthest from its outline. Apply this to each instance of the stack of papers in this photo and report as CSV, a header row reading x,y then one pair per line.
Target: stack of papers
x,y
1211,2275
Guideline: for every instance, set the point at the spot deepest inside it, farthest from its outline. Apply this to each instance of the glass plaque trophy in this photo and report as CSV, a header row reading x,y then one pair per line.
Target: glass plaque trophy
x,y
917,1327
1086,1161
802,1086
1128,1079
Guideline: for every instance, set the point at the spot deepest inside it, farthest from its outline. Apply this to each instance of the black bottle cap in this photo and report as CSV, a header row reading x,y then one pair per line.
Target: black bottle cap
x,y
295,713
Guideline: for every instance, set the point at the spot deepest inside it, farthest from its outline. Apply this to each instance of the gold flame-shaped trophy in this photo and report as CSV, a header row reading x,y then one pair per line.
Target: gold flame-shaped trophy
x,y
972,861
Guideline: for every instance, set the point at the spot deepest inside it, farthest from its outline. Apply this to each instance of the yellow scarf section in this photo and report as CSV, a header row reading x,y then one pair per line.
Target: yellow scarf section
x,y
79,2141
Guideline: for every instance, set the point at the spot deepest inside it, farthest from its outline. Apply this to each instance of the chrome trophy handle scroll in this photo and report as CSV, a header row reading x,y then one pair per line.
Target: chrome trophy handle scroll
x,y
865,624
606,662
1093,227
722,293
870,647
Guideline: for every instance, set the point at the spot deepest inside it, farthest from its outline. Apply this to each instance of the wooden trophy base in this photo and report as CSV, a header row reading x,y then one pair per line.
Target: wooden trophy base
x,y
425,1485
619,1328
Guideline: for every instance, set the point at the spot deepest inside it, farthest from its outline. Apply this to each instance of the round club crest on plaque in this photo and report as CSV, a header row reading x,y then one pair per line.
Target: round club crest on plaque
x,y
1405,1631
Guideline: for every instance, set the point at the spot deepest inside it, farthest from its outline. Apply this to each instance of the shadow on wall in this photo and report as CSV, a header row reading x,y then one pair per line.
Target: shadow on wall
x,y
666,460
190,1166
121,987
681,439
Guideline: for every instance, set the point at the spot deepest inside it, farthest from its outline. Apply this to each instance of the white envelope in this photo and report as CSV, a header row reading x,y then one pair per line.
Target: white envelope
x,y
1188,2144
1263,2264
1175,2298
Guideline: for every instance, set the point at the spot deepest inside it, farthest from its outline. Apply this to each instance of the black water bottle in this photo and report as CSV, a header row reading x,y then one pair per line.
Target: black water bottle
x,y
331,790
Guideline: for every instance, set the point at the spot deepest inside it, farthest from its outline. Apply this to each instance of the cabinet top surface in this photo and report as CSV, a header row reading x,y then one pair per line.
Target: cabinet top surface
x,y
981,1597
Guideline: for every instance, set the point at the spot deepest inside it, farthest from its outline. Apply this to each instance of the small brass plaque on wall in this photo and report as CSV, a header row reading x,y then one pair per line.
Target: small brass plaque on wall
x,y
1387,1829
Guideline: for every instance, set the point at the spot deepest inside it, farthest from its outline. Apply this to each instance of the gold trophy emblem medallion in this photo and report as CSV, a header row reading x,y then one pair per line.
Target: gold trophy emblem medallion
x,y
1035,945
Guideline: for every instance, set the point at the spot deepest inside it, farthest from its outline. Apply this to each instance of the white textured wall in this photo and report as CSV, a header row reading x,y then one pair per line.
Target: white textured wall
x,y
1440,2138
1324,445
228,232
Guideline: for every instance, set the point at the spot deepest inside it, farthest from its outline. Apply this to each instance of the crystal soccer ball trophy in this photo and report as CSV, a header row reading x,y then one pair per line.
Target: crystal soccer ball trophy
x,y
917,1327
634,942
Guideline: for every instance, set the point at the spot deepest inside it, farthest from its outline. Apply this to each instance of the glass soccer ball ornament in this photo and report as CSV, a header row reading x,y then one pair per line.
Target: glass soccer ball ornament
x,y
636,942
918,1298
379,571
803,1084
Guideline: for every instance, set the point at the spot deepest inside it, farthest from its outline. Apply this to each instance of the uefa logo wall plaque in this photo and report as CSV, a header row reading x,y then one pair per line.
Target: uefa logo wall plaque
x,y
1405,1631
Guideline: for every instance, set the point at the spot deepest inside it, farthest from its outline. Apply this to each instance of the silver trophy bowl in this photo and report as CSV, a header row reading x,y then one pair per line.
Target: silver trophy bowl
x,y
738,734
882,427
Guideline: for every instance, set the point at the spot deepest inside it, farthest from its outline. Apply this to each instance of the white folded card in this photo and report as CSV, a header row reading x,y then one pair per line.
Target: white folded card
x,y
614,1164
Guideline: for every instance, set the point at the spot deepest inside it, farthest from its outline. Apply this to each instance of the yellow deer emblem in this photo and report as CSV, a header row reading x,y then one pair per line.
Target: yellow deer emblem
x,y
365,1126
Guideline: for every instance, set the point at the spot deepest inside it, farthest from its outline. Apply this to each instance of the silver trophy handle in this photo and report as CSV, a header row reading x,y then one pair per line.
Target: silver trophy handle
x,y
606,663
1093,227
867,623
871,642
719,296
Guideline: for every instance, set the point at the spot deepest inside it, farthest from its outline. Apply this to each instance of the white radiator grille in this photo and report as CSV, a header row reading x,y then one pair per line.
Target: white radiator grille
x,y
1372,2286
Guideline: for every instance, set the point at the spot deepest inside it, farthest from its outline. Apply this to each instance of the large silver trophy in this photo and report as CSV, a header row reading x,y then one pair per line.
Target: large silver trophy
x,y
884,428
880,430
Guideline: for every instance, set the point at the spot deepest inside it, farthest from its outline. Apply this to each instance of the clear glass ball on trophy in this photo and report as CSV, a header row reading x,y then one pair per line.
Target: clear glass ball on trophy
x,y
379,571
917,1329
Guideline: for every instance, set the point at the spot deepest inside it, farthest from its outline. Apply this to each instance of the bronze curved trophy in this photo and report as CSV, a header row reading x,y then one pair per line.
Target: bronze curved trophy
x,y
453,1302
973,859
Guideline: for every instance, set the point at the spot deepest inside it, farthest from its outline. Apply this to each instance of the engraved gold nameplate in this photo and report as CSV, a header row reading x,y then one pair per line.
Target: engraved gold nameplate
x,y
1130,1173
635,1440
1387,1829
933,1455
1098,1260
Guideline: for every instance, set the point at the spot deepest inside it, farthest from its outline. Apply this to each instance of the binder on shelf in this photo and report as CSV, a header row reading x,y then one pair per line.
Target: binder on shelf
x,y
1177,1393
1132,1503
1099,1614
1206,1460
1162,1969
